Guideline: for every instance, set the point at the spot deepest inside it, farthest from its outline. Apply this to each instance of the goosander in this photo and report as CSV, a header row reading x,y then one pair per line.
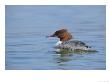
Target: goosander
x,y
67,43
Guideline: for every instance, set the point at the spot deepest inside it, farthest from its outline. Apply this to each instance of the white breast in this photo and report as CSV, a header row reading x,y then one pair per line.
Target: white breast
x,y
58,43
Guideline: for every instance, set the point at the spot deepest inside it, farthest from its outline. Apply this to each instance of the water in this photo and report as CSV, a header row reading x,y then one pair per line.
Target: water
x,y
27,48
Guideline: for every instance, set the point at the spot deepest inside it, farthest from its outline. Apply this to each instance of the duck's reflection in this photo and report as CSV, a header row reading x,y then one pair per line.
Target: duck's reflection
x,y
62,60
65,56
62,57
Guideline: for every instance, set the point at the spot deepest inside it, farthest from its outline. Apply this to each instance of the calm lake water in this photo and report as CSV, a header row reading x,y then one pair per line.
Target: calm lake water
x,y
27,48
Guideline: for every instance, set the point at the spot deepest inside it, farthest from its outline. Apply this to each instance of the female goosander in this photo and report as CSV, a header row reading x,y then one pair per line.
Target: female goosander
x,y
68,44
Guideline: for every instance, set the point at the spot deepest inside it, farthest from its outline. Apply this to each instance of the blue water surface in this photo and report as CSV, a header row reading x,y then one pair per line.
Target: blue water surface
x,y
27,47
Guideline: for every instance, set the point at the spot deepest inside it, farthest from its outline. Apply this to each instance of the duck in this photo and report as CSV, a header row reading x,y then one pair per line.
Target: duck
x,y
67,42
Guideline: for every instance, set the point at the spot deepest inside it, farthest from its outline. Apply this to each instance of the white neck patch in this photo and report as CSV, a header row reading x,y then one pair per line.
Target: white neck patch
x,y
58,43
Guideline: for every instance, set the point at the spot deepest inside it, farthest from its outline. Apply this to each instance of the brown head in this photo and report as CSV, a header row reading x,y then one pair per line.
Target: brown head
x,y
63,34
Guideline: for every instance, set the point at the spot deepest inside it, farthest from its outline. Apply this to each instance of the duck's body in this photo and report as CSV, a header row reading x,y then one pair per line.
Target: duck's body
x,y
72,45
66,42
